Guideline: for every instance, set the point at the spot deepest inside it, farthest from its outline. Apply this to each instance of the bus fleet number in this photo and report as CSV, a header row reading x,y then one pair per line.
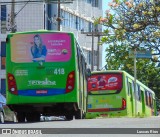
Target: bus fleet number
x,y
55,71
59,71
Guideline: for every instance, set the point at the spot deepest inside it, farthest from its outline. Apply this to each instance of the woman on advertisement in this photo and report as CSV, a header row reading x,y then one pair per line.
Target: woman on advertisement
x,y
38,50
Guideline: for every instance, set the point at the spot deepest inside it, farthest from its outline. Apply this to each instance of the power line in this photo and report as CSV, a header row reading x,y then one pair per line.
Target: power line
x,y
22,8
37,1
94,34
14,2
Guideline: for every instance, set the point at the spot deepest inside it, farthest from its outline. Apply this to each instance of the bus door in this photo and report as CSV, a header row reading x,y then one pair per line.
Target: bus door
x,y
130,94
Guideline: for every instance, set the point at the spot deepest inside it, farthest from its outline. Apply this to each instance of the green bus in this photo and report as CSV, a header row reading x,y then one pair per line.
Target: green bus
x,y
45,75
111,94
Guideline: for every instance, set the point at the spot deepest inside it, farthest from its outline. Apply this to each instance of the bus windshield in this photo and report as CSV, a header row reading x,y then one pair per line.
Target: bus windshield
x,y
46,47
105,83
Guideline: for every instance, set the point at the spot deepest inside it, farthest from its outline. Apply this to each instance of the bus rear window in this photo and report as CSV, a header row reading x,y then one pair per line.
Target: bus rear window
x,y
46,47
105,83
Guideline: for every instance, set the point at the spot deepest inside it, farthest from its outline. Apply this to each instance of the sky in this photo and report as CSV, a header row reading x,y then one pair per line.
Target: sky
x,y
105,6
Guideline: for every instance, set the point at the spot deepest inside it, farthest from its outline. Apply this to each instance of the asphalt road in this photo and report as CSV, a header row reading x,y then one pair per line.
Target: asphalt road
x,y
101,127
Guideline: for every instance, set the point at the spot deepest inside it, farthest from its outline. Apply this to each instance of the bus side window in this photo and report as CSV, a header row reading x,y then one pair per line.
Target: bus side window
x,y
128,85
150,100
78,57
130,90
146,97
84,67
138,92
80,64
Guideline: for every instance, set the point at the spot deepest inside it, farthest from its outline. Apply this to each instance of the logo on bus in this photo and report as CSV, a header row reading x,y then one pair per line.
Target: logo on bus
x,y
112,79
39,82
112,82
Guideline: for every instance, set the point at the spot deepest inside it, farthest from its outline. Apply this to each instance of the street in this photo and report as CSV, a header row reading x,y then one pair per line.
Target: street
x,y
88,127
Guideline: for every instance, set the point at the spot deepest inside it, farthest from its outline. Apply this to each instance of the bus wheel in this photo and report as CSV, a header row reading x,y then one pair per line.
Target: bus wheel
x,y
79,114
29,117
21,117
1,117
14,118
37,117
33,117
69,117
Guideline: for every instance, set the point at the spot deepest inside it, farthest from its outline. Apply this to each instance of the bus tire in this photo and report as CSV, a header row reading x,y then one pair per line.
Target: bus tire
x,y
1,117
69,117
20,117
37,117
79,114
29,117
33,117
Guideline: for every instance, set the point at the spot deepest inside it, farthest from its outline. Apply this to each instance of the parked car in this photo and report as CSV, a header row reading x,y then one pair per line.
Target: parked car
x,y
5,113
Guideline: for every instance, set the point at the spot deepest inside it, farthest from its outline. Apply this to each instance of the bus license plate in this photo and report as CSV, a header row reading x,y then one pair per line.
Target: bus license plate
x,y
41,91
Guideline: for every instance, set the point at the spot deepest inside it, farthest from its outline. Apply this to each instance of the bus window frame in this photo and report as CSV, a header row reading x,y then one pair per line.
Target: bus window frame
x,y
128,86
146,97
138,92
150,100
78,55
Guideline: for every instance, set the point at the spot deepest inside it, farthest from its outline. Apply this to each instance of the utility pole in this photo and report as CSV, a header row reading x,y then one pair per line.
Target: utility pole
x,y
98,52
59,14
135,79
59,9
94,34
92,64
13,17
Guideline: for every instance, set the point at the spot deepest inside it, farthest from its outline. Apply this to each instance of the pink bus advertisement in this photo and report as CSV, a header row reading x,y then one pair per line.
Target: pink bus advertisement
x,y
46,47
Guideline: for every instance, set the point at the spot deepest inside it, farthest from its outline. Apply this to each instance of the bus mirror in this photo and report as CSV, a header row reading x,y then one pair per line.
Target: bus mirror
x,y
88,72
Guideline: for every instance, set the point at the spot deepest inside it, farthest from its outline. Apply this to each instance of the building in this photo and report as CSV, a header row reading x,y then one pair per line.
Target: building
x,y
76,16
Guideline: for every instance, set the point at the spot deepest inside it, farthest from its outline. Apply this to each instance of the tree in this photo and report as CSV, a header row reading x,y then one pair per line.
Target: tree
x,y
134,21
133,24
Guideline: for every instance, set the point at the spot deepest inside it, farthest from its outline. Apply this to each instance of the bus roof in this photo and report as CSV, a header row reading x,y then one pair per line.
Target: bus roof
x,y
41,31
